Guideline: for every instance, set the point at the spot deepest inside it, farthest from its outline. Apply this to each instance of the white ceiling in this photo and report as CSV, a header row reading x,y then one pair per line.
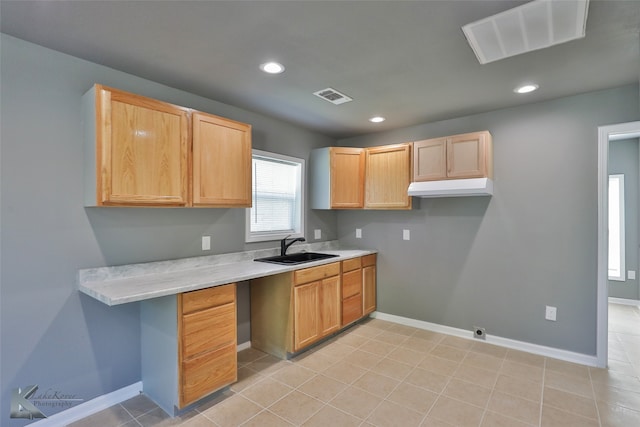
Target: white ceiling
x,y
406,60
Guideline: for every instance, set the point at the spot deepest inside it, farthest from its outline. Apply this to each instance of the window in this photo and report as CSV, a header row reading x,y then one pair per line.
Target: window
x,y
616,228
277,198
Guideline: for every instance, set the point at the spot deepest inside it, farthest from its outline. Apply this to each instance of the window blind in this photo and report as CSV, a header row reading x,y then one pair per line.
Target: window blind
x,y
276,196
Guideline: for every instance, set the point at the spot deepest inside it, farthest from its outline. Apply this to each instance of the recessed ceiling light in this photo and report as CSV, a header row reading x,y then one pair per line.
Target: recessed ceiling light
x,y
272,67
376,119
526,88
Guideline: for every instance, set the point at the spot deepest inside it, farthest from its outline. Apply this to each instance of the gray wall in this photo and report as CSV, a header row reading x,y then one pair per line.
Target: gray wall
x,y
51,334
496,262
623,159
487,262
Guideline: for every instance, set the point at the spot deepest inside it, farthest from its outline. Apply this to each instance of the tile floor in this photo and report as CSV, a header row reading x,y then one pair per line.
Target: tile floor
x,y
383,374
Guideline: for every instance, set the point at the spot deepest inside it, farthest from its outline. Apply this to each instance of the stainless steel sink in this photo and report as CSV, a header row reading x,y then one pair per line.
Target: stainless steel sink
x,y
299,258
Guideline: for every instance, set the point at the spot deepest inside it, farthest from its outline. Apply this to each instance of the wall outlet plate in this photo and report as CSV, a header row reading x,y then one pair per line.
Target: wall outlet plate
x,y
550,313
406,235
206,243
479,333
358,233
317,234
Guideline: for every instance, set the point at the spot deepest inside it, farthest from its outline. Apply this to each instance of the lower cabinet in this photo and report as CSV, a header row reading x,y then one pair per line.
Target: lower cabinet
x,y
189,346
369,284
351,290
291,311
316,311
207,337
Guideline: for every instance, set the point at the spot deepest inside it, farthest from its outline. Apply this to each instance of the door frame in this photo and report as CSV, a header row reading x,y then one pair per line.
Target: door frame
x,y
605,135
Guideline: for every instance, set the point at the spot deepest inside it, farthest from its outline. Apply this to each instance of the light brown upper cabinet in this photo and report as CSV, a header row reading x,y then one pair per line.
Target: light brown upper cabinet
x,y
137,150
341,176
337,177
144,152
347,170
221,162
454,157
388,174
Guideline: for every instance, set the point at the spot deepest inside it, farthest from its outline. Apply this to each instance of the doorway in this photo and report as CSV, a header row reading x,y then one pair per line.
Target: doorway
x,y
605,135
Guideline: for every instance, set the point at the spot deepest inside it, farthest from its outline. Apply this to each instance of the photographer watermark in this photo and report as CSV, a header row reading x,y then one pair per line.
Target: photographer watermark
x,y
26,403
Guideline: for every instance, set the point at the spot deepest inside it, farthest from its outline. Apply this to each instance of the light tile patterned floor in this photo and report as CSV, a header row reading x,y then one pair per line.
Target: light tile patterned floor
x,y
383,374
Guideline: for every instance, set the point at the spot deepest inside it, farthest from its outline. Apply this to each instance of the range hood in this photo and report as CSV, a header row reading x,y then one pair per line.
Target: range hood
x,y
452,188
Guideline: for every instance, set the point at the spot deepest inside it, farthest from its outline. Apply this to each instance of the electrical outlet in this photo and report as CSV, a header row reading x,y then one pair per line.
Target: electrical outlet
x,y
631,275
550,313
479,333
206,243
358,233
406,235
317,234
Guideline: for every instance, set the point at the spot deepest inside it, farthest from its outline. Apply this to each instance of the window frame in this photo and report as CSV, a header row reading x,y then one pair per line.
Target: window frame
x,y
252,237
621,277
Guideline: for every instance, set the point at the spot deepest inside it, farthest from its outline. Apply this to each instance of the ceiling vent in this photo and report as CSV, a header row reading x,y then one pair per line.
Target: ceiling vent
x,y
333,96
532,26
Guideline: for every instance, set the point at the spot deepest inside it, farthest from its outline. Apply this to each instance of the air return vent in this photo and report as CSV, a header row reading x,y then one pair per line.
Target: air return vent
x,y
333,96
532,26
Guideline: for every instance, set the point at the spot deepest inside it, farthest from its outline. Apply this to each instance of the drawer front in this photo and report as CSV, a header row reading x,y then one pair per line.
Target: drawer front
x,y
369,260
206,298
316,273
207,330
207,373
351,283
351,309
350,264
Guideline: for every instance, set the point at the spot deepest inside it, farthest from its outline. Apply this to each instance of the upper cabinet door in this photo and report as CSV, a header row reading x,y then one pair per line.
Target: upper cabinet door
x,y
453,157
141,150
468,155
347,177
221,162
430,159
388,174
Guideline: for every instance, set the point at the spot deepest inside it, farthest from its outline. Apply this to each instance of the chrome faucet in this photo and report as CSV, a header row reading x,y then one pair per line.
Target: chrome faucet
x,y
284,245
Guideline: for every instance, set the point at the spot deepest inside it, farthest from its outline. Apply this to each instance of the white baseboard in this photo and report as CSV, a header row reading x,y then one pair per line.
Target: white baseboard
x,y
105,401
90,407
569,356
624,301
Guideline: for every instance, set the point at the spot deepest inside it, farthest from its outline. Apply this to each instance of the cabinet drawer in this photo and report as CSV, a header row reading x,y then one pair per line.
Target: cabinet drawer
x,y
350,264
207,373
369,260
351,309
351,283
207,330
316,273
206,298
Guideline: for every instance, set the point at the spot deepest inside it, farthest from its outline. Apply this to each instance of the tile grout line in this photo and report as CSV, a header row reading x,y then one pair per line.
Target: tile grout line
x,y
130,414
595,400
544,375
364,420
493,389
297,388
413,368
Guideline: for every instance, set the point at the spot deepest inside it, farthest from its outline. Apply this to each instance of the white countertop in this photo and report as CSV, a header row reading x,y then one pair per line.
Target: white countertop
x,y
137,282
